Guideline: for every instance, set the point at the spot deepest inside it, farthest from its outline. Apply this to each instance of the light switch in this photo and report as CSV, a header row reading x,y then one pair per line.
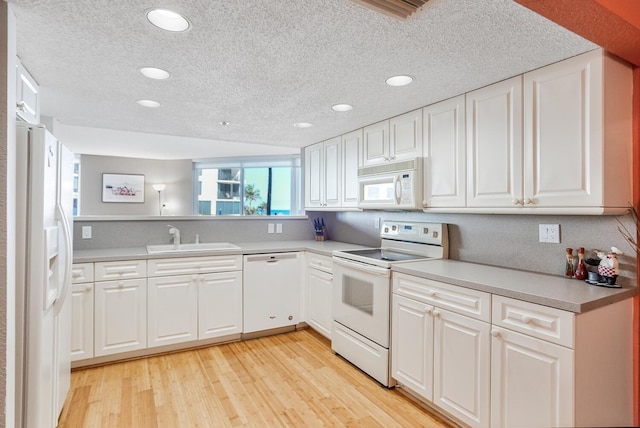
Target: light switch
x,y
278,227
270,228
86,232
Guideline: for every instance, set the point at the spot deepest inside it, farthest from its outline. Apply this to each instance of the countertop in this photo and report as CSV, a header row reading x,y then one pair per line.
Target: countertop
x,y
549,290
135,253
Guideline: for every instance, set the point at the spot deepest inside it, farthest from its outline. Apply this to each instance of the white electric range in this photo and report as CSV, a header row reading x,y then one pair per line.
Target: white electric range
x,y
362,290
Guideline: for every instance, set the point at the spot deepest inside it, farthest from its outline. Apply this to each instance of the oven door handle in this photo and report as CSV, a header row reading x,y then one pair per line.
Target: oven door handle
x,y
363,267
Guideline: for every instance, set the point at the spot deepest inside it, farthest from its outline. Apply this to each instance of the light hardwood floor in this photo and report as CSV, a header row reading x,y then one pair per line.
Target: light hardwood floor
x,y
287,380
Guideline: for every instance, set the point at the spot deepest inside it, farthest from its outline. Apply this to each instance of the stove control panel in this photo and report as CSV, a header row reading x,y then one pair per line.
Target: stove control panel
x,y
425,233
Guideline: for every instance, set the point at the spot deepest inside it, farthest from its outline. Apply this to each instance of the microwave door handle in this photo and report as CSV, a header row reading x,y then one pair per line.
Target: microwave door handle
x,y
397,188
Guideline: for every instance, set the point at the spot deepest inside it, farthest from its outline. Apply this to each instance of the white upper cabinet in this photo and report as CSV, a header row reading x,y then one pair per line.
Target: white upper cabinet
x,y
577,135
314,175
395,139
27,95
375,144
351,144
323,169
494,144
405,136
556,140
444,154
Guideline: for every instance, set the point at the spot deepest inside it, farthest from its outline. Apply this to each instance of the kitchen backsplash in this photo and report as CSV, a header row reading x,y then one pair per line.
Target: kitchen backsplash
x,y
502,240
499,240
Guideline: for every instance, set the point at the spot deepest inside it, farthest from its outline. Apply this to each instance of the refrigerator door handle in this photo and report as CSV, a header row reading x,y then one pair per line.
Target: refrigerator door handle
x,y
62,217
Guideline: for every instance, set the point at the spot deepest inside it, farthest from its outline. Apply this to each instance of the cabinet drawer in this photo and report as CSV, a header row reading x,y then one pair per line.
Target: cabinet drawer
x,y
125,269
323,263
550,324
82,272
465,301
187,265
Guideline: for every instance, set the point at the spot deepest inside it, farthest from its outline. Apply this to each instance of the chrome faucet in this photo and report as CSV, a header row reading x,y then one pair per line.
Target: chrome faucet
x,y
175,233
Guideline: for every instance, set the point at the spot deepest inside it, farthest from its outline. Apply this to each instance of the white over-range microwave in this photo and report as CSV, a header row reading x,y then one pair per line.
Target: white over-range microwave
x,y
393,185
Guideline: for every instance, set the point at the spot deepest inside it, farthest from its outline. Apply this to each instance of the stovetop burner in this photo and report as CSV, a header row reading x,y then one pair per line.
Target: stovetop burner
x,y
386,255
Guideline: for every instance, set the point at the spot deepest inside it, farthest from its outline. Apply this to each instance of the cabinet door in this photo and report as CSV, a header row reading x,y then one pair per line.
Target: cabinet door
x,y
172,315
375,144
461,365
27,96
319,292
314,175
81,321
405,136
351,143
271,295
563,133
332,171
494,145
444,152
531,382
412,345
120,316
219,304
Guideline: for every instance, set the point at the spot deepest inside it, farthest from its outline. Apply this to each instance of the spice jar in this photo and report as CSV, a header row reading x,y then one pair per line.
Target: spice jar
x,y
581,269
568,271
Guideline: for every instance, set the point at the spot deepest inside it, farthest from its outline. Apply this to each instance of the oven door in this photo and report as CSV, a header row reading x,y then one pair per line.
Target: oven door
x,y
361,299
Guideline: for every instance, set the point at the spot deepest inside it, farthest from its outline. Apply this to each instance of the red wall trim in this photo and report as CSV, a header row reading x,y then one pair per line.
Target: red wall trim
x,y
612,24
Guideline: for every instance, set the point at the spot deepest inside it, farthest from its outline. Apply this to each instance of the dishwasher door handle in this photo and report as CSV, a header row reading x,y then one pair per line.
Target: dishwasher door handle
x,y
271,258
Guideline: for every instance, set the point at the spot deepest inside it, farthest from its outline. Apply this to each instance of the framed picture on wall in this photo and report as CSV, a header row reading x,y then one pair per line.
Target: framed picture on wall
x,y
123,188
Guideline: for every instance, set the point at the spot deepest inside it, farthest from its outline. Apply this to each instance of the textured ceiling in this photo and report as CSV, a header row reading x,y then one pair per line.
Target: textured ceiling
x,y
264,64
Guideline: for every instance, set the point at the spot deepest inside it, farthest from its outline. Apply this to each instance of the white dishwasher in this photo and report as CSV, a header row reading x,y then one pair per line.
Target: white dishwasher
x,y
271,291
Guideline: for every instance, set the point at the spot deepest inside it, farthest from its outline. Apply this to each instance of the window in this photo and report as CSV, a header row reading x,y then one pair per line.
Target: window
x,y
76,185
248,186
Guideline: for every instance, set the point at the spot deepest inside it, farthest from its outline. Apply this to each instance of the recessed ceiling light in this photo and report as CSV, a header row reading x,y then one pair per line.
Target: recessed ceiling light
x,y
224,123
148,103
302,125
342,107
168,20
399,80
155,73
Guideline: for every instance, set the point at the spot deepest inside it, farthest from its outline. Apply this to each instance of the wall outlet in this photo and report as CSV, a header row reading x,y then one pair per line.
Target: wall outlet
x,y
270,229
86,232
549,233
376,223
278,227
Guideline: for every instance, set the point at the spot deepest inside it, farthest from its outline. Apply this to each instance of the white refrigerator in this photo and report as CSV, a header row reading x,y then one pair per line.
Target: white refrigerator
x,y
43,276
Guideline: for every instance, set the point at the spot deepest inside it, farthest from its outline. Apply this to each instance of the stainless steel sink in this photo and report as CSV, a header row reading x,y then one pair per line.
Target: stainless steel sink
x,y
181,248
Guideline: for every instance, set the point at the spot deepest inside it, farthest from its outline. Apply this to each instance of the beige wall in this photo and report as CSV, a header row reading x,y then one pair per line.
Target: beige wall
x,y
7,218
176,174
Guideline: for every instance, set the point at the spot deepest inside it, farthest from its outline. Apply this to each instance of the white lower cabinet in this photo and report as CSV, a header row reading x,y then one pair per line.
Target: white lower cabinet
x,y
82,325
194,298
173,309
438,354
319,293
120,316
461,364
143,304
219,304
412,345
489,360
531,381
82,311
